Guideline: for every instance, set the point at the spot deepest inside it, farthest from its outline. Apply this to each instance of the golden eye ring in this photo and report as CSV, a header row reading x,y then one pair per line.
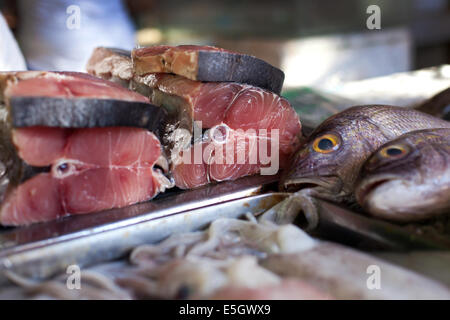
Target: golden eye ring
x,y
393,151
326,143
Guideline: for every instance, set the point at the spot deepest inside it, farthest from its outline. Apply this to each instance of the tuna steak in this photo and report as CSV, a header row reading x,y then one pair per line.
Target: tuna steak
x,y
232,108
205,63
48,172
75,100
62,84
258,130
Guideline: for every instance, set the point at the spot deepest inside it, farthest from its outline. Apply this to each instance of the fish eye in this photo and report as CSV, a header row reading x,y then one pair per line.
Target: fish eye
x,y
326,143
395,151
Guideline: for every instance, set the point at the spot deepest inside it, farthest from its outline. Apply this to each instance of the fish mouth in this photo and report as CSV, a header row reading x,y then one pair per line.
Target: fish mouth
x,y
331,184
365,189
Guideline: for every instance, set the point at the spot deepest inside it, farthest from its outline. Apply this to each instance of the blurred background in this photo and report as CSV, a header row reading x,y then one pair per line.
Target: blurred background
x,y
314,42
317,43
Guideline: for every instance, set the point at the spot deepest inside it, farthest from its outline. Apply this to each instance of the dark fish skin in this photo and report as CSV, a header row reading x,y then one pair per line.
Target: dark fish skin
x,y
12,168
359,131
85,113
208,64
408,179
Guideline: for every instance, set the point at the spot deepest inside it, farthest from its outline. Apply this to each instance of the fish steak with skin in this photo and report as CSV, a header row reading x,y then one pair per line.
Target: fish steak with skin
x,y
209,64
50,171
241,116
408,179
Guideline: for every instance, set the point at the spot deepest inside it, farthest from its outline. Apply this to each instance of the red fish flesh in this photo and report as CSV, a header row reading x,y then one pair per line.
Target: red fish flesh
x,y
257,130
63,84
90,170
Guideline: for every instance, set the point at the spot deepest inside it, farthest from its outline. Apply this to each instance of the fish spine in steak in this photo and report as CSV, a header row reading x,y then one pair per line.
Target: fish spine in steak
x,y
260,131
92,169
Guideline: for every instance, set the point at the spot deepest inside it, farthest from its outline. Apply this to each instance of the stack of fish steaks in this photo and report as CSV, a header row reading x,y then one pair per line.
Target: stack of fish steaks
x,y
161,117
229,118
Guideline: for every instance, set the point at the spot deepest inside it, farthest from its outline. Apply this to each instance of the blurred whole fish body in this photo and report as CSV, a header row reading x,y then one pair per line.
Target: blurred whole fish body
x,y
438,105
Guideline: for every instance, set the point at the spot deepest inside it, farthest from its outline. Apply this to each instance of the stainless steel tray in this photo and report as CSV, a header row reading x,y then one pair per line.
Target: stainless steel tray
x,y
45,249
42,250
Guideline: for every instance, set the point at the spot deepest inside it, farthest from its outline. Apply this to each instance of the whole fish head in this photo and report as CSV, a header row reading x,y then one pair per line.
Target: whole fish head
x,y
328,162
408,178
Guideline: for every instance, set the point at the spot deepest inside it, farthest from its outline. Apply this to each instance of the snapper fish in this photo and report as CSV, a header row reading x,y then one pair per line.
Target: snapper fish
x,y
408,179
328,163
